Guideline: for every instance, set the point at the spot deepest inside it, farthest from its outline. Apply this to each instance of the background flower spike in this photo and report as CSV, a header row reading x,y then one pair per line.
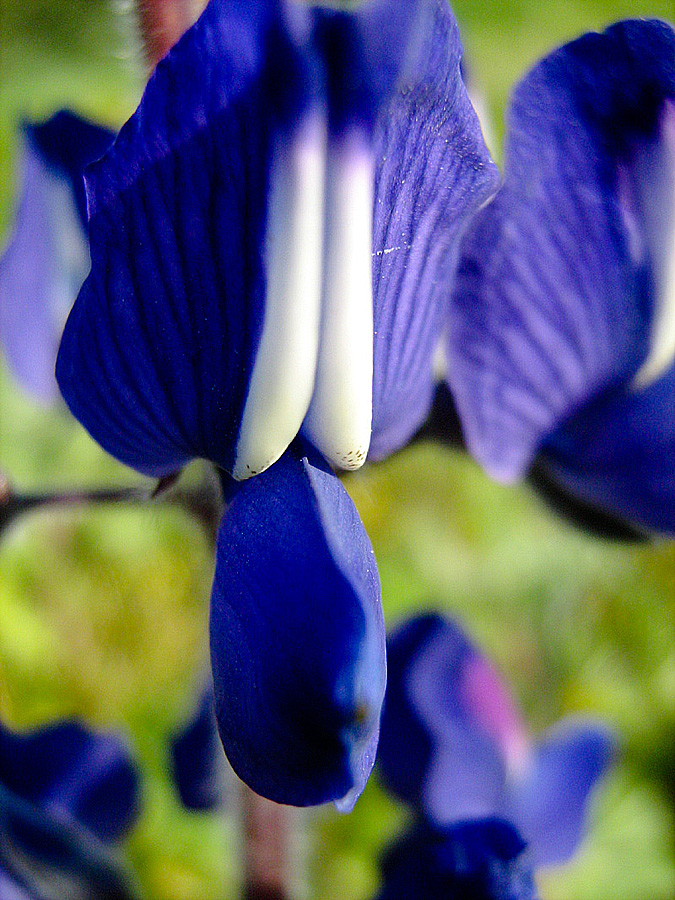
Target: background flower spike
x,y
46,260
198,760
297,637
560,319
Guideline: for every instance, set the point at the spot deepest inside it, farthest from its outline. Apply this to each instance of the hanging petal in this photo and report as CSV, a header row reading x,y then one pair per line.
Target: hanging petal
x,y
297,637
79,776
549,804
45,858
47,258
481,860
433,171
198,761
563,282
158,353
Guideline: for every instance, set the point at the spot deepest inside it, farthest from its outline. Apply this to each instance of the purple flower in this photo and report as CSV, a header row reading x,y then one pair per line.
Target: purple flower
x,y
47,257
271,234
66,795
453,745
561,341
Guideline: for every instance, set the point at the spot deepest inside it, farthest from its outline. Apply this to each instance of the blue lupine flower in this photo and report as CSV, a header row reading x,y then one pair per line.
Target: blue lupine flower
x,y
47,258
562,328
271,234
197,758
482,860
453,745
66,795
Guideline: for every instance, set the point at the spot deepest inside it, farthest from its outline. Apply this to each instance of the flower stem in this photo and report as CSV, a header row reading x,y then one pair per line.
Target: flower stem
x,y
162,22
267,838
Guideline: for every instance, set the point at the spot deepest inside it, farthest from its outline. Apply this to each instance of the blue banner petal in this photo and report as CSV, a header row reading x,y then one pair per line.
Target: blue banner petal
x,y
47,258
549,804
79,775
563,286
478,860
198,761
433,172
297,637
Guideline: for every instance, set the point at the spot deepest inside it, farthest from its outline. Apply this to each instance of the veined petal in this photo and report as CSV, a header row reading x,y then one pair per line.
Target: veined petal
x,y
45,858
562,284
549,803
47,258
158,353
78,775
433,171
198,761
297,637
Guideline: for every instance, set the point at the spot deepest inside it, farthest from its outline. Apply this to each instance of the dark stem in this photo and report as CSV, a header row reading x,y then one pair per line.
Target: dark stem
x,y
161,23
267,830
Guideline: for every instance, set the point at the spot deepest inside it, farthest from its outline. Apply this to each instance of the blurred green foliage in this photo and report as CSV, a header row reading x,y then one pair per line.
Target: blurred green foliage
x,y
103,614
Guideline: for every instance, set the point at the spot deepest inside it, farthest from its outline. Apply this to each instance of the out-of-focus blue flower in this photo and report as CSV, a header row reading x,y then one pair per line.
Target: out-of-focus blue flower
x,y
562,325
271,235
66,794
482,860
453,745
47,258
197,758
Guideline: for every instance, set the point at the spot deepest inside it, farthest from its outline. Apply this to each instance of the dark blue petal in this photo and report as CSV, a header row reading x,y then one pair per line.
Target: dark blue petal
x,y
447,721
433,172
158,351
198,761
47,259
68,143
297,637
81,776
619,454
45,858
556,287
481,860
549,803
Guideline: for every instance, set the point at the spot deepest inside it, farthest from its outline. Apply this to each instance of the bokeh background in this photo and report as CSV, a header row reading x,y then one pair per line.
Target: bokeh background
x,y
103,612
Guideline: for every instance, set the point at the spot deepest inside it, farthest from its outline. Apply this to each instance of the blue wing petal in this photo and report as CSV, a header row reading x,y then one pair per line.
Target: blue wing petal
x,y
157,353
87,777
555,294
549,803
433,172
297,637
47,259
198,761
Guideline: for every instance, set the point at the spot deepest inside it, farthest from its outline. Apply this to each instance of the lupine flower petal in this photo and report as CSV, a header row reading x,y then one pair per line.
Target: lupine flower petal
x,y
81,776
433,173
549,803
453,767
47,258
44,858
198,761
297,637
565,283
481,860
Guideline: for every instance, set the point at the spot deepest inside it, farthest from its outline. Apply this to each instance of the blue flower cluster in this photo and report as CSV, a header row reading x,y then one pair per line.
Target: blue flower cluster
x,y
300,212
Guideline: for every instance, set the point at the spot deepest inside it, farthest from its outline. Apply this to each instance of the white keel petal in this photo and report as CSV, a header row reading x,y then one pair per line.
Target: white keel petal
x,y
339,419
283,374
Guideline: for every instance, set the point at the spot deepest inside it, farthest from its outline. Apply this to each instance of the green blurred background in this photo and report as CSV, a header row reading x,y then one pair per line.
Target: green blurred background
x,y
103,613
